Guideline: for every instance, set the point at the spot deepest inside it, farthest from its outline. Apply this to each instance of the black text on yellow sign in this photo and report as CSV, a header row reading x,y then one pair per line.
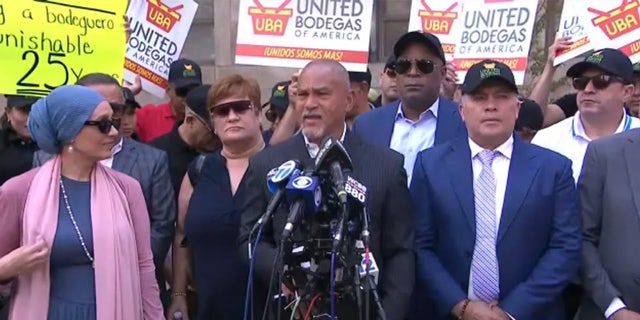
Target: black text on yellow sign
x,y
45,44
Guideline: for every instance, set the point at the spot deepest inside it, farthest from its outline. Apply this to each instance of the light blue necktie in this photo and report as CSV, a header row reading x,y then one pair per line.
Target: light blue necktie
x,y
485,262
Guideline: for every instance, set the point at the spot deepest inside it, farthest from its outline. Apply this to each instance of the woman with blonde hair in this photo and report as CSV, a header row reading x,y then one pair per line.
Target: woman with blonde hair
x,y
90,221
209,214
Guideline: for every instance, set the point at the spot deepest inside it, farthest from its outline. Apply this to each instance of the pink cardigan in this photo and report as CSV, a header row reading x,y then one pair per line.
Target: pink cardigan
x,y
13,198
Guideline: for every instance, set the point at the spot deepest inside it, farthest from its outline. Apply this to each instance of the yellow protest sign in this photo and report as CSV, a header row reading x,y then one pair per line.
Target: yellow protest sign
x,y
45,44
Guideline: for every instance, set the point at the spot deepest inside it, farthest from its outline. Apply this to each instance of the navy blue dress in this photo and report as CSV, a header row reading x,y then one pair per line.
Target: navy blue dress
x,y
73,289
211,227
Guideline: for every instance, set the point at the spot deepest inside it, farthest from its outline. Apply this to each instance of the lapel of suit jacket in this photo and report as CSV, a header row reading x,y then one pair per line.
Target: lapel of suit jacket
x,y
388,121
461,173
446,124
519,180
125,160
632,158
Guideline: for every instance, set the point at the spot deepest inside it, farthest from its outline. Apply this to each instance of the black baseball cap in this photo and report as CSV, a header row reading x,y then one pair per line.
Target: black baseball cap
x,y
130,99
636,69
279,96
16,101
196,101
610,61
355,76
486,70
530,116
391,62
428,39
184,73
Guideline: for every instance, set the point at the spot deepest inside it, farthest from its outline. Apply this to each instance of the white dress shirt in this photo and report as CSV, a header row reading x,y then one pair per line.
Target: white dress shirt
x,y
314,148
569,139
500,168
409,137
109,161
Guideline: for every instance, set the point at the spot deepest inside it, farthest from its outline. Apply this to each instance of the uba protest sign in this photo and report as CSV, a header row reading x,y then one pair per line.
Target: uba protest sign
x,y
615,24
495,29
46,44
158,31
290,33
438,17
574,24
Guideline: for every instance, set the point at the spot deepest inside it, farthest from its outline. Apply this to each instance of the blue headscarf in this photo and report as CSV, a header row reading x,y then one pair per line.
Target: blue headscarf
x,y
56,120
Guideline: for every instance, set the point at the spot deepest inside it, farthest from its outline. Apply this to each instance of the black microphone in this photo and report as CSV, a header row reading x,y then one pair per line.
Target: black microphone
x,y
277,180
334,159
295,212
304,195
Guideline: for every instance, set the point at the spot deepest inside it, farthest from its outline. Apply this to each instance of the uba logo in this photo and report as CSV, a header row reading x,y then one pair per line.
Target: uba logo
x,y
269,20
437,22
162,16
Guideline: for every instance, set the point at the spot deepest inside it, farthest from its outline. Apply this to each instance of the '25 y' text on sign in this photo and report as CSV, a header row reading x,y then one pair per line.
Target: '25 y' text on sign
x,y
45,44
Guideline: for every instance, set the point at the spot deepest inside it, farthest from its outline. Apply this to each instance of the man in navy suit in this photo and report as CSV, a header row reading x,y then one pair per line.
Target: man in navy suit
x,y
498,232
420,118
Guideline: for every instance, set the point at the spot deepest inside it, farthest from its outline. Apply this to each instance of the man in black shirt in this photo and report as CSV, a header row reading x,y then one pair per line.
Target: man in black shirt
x,y
189,137
16,147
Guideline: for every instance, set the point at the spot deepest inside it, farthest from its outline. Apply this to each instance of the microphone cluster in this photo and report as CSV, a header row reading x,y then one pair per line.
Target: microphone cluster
x,y
330,205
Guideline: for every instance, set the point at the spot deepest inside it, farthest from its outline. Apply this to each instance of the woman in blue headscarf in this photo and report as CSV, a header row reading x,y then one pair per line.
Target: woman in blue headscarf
x,y
83,229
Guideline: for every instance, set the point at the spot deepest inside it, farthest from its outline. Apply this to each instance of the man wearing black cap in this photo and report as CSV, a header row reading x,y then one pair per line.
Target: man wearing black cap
x,y
530,119
278,104
498,228
421,118
603,81
128,119
634,102
190,137
16,147
360,85
388,89
154,121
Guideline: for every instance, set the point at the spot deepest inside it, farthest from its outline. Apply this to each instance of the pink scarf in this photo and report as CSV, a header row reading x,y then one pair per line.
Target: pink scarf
x,y
117,278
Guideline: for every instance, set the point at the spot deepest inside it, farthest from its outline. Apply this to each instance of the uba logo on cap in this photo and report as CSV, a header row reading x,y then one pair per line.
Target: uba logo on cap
x,y
188,71
490,70
279,92
595,57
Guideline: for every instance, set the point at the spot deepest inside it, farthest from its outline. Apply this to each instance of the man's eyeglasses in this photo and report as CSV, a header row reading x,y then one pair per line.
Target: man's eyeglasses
x,y
599,82
425,66
390,73
104,125
238,107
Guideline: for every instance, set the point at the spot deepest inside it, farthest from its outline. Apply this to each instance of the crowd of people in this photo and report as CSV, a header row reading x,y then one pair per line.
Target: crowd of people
x,y
483,203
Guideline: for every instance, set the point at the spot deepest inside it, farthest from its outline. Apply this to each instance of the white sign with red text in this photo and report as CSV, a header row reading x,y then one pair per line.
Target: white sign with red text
x,y
290,33
158,31
615,24
495,29
575,24
438,17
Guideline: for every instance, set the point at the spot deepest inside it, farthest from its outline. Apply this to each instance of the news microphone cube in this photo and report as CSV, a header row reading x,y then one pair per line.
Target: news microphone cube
x,y
306,188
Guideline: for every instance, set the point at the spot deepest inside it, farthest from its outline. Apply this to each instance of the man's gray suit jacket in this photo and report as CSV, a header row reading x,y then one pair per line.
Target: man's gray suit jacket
x,y
609,188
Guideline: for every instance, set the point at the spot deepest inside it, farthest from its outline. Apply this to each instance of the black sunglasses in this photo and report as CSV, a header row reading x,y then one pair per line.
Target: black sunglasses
x,y
238,107
599,82
390,73
425,66
104,125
